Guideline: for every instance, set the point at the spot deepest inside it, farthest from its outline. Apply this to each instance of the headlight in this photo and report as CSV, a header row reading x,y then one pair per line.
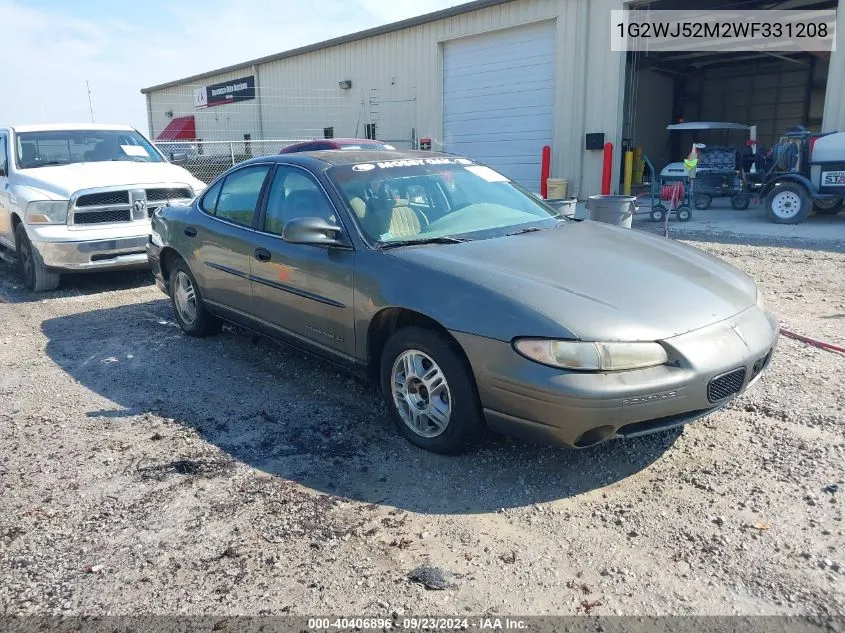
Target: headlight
x,y
47,212
589,356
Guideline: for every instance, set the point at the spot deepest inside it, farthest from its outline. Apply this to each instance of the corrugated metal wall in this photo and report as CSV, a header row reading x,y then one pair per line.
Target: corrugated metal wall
x,y
397,84
834,105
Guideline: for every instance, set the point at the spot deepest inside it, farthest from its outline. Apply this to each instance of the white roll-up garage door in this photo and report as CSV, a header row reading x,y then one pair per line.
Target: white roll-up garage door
x,y
498,99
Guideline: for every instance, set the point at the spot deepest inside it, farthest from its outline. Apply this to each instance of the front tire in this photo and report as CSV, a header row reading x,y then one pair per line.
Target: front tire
x,y
658,213
788,203
430,392
684,214
702,201
186,299
740,202
36,276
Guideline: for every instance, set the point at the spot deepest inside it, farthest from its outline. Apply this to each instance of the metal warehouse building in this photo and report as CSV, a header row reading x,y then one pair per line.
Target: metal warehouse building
x,y
499,79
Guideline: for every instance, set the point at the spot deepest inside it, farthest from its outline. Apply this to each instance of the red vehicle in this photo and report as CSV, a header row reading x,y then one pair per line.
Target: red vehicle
x,y
336,143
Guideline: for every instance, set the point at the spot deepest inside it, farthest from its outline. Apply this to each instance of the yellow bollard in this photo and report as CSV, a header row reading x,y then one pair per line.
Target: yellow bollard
x,y
629,169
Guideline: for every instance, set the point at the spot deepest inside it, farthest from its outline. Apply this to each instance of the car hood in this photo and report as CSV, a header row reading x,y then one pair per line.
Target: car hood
x,y
597,281
65,180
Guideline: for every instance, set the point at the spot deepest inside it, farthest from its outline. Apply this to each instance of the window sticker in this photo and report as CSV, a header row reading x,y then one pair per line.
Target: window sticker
x,y
486,173
411,162
134,150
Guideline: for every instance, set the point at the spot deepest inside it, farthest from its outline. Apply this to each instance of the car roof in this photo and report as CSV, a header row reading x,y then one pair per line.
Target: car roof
x,y
337,157
56,127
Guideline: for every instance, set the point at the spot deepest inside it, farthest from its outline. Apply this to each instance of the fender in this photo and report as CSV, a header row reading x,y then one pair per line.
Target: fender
x,y
791,177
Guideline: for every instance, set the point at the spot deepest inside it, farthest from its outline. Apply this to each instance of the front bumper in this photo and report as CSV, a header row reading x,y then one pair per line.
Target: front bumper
x,y
579,409
96,249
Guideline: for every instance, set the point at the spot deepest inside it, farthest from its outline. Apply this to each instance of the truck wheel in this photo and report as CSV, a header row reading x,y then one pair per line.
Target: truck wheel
x,y
430,392
789,203
188,306
827,208
36,276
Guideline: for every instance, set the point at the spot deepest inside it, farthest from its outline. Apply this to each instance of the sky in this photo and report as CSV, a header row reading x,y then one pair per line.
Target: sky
x,y
53,47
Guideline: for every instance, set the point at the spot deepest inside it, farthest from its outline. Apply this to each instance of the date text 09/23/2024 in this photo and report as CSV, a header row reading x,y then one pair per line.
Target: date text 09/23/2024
x,y
416,624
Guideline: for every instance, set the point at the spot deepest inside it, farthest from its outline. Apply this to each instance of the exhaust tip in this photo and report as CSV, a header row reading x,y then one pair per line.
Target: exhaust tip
x,y
595,436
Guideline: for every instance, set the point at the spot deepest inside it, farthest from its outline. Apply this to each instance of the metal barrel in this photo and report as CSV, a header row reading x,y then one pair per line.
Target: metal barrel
x,y
616,210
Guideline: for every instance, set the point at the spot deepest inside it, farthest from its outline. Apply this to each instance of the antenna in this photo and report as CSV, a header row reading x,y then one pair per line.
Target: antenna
x,y
90,103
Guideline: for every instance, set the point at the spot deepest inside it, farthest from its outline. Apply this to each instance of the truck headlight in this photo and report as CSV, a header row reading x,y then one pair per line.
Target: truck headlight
x,y
47,212
592,356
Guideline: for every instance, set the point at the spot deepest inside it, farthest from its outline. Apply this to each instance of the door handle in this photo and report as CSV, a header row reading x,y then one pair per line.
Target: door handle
x,y
262,254
190,231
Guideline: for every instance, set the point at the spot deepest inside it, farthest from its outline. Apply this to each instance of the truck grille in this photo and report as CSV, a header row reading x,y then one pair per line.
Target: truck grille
x,y
726,385
160,195
102,217
108,207
103,199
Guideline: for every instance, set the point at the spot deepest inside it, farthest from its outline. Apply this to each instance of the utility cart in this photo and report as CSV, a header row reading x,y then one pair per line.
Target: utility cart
x,y
718,173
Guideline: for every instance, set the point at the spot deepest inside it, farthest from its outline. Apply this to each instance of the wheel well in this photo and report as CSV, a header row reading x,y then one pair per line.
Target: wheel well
x,y
167,257
788,180
15,221
385,323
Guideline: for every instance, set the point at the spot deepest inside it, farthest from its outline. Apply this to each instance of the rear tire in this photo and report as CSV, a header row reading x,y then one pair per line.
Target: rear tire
x,y
684,214
740,202
430,392
788,203
827,208
36,276
702,201
186,300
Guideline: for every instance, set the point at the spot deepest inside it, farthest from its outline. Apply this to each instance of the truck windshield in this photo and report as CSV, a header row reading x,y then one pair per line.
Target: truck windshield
x,y
63,147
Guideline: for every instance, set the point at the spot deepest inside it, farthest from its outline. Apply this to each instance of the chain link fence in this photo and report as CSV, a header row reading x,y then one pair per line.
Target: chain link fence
x,y
208,159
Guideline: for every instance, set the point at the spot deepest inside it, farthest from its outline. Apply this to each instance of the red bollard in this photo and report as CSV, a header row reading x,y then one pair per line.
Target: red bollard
x,y
607,168
545,170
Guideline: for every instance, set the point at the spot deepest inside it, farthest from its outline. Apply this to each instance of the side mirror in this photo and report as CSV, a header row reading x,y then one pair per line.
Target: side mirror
x,y
314,231
179,158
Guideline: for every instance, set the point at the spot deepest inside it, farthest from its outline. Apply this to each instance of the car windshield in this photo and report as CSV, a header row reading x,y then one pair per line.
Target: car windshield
x,y
63,147
401,201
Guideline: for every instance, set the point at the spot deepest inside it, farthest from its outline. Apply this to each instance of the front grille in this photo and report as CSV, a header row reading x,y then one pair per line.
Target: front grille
x,y
725,385
102,217
158,195
103,199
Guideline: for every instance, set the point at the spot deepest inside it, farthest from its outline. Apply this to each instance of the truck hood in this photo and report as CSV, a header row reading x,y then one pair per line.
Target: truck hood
x,y
596,281
65,180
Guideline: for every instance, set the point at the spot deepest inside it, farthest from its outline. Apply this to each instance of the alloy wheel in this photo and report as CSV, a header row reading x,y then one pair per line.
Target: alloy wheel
x,y
185,298
421,393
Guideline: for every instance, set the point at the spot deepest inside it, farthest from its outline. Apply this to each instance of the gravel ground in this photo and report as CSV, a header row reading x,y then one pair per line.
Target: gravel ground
x,y
146,472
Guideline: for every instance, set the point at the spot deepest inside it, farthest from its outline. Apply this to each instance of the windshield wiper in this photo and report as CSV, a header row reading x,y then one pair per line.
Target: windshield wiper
x,y
530,229
443,239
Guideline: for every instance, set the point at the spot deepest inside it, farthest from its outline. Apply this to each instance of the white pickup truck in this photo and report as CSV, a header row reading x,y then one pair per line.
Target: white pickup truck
x,y
77,198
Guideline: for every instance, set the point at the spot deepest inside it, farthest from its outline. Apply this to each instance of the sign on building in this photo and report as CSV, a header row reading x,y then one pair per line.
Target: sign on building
x,y
242,89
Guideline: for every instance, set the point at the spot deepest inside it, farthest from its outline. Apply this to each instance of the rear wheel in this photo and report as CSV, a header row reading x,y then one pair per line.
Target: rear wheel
x,y
684,214
430,391
740,202
824,207
188,306
36,276
702,201
788,203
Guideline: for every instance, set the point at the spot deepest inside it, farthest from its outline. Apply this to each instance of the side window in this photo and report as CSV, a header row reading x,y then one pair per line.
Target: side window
x,y
209,200
4,156
239,195
295,194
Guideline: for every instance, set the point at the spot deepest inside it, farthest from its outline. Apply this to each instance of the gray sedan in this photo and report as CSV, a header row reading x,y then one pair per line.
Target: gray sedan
x,y
472,303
